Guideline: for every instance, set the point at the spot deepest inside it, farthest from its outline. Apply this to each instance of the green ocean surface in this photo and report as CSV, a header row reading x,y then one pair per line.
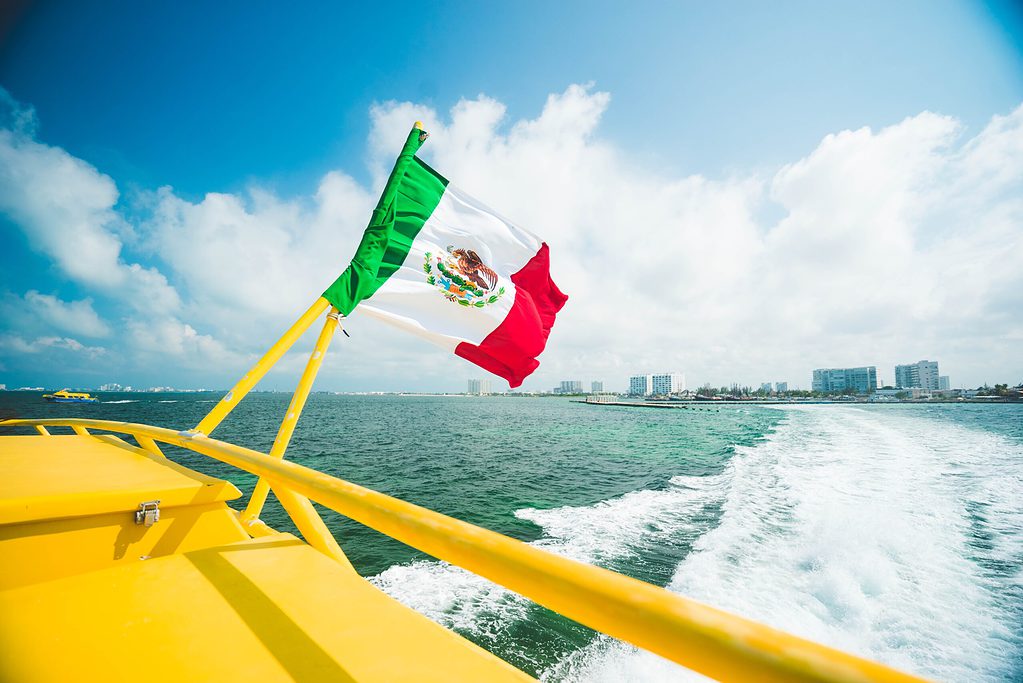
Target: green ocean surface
x,y
784,514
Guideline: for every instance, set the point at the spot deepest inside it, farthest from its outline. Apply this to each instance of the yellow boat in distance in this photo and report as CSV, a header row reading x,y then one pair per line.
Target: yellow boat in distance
x,y
65,396
118,564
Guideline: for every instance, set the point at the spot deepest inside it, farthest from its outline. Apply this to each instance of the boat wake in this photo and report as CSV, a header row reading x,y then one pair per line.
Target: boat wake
x,y
128,400
881,532
871,532
606,533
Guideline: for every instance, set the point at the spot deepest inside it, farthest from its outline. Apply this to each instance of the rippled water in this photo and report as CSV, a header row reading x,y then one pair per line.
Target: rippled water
x,y
895,532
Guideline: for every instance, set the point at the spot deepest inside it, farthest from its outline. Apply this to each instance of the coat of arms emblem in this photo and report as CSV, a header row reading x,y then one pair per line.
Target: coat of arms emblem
x,y
462,277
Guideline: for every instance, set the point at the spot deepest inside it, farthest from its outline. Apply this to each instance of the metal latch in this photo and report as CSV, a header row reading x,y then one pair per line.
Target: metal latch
x,y
148,513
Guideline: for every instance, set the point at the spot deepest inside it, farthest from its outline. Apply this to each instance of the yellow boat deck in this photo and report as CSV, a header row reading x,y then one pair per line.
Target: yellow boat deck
x,y
86,593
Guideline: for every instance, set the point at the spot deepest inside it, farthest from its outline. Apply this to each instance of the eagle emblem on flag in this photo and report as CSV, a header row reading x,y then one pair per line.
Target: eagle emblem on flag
x,y
462,277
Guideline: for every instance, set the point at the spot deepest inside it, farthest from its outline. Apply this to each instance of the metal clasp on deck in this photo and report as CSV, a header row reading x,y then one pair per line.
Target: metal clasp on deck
x,y
148,513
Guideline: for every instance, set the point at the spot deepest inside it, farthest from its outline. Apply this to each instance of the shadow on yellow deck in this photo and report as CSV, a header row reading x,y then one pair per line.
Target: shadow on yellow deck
x,y
88,594
266,609
85,596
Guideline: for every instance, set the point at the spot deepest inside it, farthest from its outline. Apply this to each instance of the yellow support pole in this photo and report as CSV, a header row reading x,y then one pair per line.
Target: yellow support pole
x,y
149,445
42,430
80,431
257,528
269,359
309,523
298,399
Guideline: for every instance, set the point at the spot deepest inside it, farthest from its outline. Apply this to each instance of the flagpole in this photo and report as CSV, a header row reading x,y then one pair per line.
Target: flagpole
x,y
298,399
256,373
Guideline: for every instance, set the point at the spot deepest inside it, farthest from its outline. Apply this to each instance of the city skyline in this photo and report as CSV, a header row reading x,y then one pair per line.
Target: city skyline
x,y
922,374
484,386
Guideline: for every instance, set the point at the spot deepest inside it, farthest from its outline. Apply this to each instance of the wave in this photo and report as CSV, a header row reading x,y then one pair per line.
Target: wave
x,y
166,401
867,530
604,533
886,534
127,400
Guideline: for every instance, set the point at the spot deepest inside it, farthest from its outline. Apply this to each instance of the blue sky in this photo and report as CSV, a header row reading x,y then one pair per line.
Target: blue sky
x,y
244,98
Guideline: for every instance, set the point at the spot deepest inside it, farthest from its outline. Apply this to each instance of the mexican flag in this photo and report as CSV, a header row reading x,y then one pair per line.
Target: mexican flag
x,y
441,265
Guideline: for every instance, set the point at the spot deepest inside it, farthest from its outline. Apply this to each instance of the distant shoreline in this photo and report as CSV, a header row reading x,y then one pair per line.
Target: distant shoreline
x,y
703,404
573,398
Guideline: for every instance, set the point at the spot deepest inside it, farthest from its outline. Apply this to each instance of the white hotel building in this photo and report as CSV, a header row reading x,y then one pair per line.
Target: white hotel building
x,y
658,385
922,375
862,379
641,385
479,387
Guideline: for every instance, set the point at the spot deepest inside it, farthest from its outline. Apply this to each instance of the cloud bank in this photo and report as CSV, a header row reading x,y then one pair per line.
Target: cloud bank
x,y
877,247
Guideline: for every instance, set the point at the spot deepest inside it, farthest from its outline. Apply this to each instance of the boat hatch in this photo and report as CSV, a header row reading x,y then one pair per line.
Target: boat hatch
x,y
74,476
69,504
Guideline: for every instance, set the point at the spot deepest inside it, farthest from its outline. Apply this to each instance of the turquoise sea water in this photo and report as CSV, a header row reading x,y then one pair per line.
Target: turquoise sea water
x,y
892,531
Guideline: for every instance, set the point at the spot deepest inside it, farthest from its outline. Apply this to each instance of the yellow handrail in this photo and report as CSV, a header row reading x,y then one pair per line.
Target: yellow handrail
x,y
710,641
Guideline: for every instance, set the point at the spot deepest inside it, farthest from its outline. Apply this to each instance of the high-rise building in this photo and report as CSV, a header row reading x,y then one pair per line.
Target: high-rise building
x,y
667,383
781,387
922,374
596,387
571,386
479,387
944,383
641,385
766,387
862,380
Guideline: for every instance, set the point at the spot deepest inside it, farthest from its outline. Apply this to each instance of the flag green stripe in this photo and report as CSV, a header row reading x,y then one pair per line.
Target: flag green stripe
x,y
409,197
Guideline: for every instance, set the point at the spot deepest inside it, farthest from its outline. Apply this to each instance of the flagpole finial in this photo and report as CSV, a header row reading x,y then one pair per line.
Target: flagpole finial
x,y
422,133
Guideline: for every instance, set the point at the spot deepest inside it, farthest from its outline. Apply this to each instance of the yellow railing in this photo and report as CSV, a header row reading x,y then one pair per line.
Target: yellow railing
x,y
713,642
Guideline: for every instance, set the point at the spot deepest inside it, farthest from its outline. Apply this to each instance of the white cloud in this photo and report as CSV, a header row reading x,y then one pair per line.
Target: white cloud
x,y
163,338
77,317
254,261
877,247
66,208
13,342
892,245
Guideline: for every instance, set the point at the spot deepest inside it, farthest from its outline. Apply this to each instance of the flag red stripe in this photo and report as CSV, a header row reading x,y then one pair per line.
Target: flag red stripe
x,y
510,351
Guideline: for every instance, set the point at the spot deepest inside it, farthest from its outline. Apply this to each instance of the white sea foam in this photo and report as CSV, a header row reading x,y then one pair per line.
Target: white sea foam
x,y
599,533
453,597
613,529
127,400
861,529
881,532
